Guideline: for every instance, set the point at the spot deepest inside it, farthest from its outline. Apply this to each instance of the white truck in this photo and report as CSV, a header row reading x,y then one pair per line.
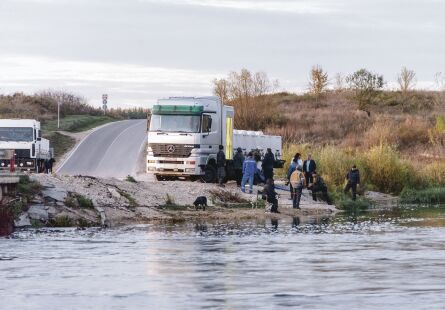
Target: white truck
x,y
20,139
184,134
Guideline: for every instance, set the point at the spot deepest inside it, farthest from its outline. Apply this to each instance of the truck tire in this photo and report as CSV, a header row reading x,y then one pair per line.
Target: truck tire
x,y
209,174
159,177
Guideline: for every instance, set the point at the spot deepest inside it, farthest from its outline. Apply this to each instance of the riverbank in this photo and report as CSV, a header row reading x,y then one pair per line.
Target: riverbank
x,y
87,201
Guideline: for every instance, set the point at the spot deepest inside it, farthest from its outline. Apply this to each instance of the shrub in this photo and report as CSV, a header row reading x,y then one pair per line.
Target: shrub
x,y
227,196
74,200
344,202
61,221
387,172
333,164
169,200
433,174
434,195
131,179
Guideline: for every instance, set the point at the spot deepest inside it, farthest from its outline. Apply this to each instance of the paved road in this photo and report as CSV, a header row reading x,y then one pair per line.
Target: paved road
x,y
110,151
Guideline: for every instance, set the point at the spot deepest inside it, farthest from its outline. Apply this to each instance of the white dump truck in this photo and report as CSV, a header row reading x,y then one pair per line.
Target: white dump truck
x,y
21,142
184,134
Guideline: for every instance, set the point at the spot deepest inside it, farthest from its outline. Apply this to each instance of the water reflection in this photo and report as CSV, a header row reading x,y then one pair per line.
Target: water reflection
x,y
389,259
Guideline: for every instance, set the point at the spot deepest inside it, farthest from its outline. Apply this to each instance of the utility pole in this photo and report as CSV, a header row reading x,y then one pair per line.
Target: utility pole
x,y
104,102
58,114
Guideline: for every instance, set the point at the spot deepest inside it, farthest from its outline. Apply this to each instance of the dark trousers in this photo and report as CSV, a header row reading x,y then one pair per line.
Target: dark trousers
x,y
221,174
353,187
296,197
309,178
268,173
274,203
324,191
238,176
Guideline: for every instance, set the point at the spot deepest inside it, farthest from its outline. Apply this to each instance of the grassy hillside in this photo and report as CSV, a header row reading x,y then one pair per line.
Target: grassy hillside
x,y
77,123
398,142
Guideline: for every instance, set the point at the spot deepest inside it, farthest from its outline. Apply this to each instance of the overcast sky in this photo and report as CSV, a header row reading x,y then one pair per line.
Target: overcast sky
x,y
140,50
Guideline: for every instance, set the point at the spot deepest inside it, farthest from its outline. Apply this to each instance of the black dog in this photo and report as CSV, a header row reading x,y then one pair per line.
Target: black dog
x,y
200,202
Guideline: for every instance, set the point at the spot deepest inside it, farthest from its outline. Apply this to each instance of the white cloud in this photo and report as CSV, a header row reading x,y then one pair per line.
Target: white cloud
x,y
127,84
285,6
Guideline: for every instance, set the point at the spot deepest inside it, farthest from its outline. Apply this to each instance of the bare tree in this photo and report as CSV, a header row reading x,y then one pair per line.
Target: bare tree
x,y
318,81
439,79
406,79
339,82
220,88
246,92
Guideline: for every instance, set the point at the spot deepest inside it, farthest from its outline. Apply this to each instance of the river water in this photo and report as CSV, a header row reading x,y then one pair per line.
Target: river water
x,y
374,260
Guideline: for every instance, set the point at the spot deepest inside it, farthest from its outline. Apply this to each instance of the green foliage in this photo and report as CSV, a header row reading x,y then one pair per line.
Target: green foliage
x,y
131,201
437,133
27,189
61,143
344,202
74,200
365,85
61,221
432,195
131,179
169,200
77,123
387,172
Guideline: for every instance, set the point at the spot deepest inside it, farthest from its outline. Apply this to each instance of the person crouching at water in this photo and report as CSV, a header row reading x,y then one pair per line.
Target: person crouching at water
x,y
353,177
271,195
249,168
319,186
296,163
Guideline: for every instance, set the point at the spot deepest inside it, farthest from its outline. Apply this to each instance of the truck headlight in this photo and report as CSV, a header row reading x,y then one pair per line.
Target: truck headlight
x,y
190,170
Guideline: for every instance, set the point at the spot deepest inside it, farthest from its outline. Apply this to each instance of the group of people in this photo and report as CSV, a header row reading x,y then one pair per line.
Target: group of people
x,y
304,175
247,169
301,174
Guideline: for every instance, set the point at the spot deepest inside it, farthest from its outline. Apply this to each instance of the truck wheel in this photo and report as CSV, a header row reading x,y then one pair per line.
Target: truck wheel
x,y
159,177
209,174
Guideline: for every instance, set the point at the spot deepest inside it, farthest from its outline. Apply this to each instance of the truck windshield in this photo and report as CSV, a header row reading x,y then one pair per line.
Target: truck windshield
x,y
175,123
20,134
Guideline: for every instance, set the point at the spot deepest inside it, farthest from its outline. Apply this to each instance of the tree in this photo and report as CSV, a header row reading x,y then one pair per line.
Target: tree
x,y
339,82
318,81
246,92
406,79
365,85
221,89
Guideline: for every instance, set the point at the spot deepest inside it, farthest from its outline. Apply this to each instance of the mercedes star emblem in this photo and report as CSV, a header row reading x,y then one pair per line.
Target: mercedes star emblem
x,y
170,148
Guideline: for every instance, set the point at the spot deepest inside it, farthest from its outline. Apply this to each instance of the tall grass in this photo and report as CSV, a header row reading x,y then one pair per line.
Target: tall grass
x,y
382,168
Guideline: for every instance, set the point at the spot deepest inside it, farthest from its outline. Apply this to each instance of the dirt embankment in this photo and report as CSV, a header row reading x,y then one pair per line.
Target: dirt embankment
x,y
87,201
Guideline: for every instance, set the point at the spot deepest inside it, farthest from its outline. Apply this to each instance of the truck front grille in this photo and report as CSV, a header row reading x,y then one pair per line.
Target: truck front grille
x,y
171,150
26,153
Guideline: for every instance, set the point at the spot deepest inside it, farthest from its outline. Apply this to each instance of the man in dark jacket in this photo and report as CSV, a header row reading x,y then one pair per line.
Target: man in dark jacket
x,y
221,165
309,168
268,163
319,185
238,161
353,177
271,195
